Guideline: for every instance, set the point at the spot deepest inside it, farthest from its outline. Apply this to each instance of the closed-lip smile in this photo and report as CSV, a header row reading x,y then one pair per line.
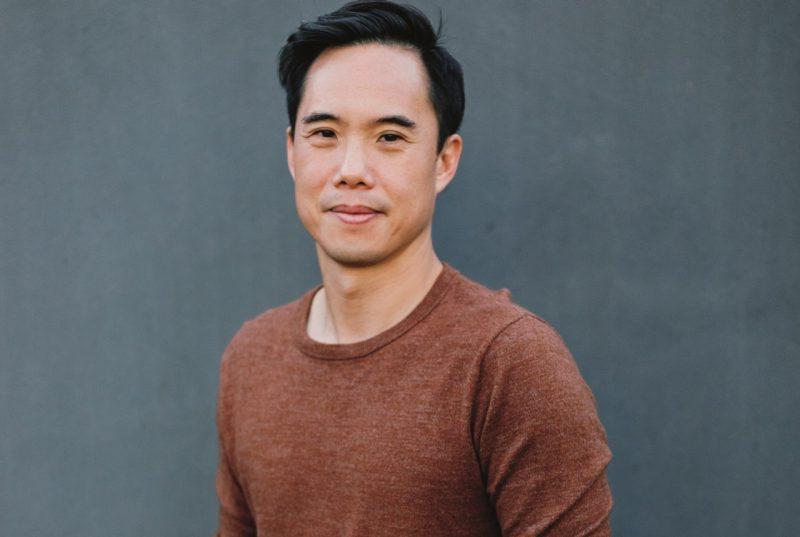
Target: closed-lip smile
x,y
353,209
354,214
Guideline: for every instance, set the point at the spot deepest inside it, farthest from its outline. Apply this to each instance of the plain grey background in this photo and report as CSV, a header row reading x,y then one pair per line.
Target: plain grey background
x,y
630,174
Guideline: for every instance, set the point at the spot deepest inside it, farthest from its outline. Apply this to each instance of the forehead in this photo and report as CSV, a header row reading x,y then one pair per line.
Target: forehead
x,y
368,80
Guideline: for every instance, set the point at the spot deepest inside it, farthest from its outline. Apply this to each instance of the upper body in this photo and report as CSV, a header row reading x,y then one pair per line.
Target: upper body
x,y
468,417
397,397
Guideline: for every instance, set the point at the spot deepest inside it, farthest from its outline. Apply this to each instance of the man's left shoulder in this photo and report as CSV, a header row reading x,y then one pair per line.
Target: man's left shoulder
x,y
530,342
509,334
478,309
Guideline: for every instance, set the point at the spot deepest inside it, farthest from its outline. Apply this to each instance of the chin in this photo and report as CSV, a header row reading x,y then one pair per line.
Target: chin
x,y
355,257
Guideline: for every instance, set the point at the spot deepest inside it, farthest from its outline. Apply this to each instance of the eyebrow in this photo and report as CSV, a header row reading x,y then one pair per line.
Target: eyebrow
x,y
395,119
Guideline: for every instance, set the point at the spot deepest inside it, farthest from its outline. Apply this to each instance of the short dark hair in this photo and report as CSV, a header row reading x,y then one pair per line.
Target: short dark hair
x,y
382,22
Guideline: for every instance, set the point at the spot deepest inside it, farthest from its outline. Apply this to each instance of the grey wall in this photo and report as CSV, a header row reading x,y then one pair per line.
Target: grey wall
x,y
630,173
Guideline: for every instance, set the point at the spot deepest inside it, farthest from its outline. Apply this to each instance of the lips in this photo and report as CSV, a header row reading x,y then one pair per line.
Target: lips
x,y
353,209
354,214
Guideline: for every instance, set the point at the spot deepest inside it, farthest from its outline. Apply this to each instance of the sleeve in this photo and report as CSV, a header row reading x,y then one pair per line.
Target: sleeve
x,y
235,518
542,449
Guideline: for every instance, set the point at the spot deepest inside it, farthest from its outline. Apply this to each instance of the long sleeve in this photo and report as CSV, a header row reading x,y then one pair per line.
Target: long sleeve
x,y
235,518
542,448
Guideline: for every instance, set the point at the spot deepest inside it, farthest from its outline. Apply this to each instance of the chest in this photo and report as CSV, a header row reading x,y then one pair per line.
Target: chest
x,y
341,439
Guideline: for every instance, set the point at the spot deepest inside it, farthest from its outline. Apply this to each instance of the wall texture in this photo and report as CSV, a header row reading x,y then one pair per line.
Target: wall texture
x,y
631,173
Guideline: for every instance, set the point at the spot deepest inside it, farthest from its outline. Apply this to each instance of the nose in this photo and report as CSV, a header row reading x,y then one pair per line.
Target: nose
x,y
354,171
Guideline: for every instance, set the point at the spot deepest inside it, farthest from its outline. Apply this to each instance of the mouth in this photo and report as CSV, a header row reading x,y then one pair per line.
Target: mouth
x,y
354,214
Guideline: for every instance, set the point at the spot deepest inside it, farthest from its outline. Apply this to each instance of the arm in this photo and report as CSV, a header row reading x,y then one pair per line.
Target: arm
x,y
235,518
542,448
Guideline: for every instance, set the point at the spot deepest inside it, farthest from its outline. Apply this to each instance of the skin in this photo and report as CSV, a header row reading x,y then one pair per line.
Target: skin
x,y
375,273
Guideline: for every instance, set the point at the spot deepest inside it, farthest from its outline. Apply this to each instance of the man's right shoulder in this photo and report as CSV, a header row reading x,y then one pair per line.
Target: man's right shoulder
x,y
269,330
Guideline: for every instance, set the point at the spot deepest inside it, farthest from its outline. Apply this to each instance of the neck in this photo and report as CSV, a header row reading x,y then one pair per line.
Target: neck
x,y
357,303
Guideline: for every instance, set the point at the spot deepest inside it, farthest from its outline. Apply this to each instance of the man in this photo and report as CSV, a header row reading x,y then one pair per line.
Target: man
x,y
398,397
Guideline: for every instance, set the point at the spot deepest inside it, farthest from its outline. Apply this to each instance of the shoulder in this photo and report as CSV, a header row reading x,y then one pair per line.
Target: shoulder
x,y
269,330
528,336
474,309
528,375
529,361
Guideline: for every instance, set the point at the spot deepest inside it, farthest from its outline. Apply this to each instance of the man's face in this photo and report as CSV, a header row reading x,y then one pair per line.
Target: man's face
x,y
363,156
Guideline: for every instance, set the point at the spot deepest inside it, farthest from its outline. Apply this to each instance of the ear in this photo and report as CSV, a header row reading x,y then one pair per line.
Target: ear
x,y
447,161
290,150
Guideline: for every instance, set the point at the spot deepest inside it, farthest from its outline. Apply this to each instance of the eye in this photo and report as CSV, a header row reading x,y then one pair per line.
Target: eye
x,y
326,133
391,137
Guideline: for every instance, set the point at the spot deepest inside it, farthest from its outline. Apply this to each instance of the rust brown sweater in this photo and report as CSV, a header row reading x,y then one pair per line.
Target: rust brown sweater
x,y
469,417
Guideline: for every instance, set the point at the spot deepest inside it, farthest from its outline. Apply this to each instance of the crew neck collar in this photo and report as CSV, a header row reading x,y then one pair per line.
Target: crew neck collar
x,y
358,349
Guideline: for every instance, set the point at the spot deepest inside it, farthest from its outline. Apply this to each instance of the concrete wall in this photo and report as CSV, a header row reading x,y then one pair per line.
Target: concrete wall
x,y
630,173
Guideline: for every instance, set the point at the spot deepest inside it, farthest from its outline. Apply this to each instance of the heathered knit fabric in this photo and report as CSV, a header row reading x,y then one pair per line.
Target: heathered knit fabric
x,y
467,418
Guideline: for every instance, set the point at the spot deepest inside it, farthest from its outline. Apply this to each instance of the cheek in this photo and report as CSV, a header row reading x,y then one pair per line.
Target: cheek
x,y
311,174
306,207
419,184
307,204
